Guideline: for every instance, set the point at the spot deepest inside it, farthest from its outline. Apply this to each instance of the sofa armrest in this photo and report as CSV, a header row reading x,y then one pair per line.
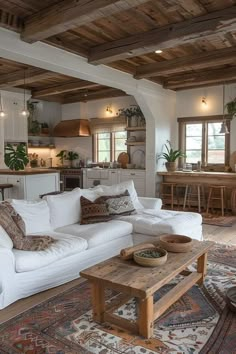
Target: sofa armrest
x,y
150,203
7,273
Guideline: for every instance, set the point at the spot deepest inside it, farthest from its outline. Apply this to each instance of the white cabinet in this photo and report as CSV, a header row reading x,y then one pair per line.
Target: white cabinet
x,y
139,179
15,125
93,177
30,187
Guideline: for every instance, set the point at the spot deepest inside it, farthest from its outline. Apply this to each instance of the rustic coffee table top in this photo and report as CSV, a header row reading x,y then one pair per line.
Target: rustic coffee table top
x,y
135,280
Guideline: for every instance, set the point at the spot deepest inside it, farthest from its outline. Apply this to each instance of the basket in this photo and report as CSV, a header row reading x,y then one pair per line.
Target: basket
x,y
149,260
176,243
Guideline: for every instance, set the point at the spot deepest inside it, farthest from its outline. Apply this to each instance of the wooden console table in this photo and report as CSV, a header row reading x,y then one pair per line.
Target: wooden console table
x,y
132,280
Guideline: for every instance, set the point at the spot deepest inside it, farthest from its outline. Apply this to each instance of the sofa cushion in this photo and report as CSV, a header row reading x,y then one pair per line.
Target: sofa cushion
x,y
65,246
35,214
121,188
93,212
64,208
157,222
5,240
97,234
118,205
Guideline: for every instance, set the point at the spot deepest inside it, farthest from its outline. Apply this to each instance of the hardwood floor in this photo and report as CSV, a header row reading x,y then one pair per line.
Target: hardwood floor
x,y
213,233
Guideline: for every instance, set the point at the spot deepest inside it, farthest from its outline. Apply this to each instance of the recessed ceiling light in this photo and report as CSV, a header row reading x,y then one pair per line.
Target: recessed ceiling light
x,y
158,51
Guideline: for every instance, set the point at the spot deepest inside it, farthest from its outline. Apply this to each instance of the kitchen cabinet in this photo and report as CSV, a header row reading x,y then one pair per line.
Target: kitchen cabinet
x,y
93,177
15,125
30,186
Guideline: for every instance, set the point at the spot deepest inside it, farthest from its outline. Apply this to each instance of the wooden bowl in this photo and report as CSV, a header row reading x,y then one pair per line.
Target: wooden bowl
x,y
231,298
150,260
176,243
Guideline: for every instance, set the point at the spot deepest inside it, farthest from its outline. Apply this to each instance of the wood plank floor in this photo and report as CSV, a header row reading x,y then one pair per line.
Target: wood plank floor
x,y
213,233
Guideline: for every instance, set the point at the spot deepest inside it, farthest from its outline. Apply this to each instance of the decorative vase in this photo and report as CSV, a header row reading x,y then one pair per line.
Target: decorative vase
x,y
133,121
171,166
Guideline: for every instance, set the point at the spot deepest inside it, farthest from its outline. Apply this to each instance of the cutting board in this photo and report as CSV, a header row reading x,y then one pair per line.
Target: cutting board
x,y
123,159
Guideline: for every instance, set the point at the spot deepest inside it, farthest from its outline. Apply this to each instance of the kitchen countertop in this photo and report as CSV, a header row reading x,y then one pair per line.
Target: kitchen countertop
x,y
28,171
198,174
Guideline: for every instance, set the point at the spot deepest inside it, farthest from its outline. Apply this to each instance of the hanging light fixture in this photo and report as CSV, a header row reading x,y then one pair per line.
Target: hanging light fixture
x,y
24,112
2,113
224,129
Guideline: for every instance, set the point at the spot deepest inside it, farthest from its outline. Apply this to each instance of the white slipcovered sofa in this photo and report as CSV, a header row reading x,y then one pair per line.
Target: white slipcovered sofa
x,y
23,273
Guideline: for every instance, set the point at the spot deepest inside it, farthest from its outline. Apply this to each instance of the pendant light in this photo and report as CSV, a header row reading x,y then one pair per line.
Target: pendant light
x,y
24,112
224,129
2,113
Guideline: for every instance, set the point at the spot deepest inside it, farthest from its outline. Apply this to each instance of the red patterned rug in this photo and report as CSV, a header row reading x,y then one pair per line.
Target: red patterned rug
x,y
199,322
218,220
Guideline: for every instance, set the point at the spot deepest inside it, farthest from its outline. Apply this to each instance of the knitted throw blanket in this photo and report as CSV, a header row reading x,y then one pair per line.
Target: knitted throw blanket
x,y
14,226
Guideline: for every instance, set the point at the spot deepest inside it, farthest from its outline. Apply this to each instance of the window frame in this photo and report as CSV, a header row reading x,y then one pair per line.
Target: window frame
x,y
112,145
204,120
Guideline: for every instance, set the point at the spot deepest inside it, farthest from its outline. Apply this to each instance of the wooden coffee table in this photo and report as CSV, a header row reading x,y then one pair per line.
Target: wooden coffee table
x,y
132,280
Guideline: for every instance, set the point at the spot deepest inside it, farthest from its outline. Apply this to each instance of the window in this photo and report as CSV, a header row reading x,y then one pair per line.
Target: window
x,y
108,146
201,140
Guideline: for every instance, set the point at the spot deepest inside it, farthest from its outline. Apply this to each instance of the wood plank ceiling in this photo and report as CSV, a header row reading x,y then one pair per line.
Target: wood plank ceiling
x,y
197,39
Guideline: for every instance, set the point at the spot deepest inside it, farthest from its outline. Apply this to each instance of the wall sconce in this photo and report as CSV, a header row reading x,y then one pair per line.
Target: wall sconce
x,y
2,113
204,102
109,109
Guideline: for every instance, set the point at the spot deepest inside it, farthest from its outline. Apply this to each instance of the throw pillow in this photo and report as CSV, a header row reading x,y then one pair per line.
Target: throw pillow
x,y
35,214
12,223
118,205
92,212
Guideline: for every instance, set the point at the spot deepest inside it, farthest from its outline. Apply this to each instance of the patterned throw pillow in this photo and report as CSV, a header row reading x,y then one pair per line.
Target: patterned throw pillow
x,y
14,226
92,212
118,205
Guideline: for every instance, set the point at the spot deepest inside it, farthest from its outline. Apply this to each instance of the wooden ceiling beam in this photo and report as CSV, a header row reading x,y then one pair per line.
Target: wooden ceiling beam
x,y
96,95
196,61
200,78
63,88
171,35
69,14
16,78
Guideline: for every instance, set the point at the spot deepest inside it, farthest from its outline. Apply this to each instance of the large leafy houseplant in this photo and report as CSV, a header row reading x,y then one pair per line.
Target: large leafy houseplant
x,y
15,157
231,107
170,156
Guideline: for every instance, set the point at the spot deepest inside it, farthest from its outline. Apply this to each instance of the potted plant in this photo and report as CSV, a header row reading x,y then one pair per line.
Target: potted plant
x,y
134,115
15,157
71,156
231,107
170,156
44,128
62,155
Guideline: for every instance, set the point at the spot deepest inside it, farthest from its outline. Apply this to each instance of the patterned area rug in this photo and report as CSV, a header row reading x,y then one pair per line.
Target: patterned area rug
x,y
218,220
199,322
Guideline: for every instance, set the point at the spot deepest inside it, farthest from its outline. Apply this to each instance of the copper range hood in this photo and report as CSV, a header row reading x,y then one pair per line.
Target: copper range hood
x,y
72,128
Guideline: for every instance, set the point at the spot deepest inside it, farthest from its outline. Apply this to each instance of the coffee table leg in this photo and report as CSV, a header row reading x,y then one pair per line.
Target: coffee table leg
x,y
145,320
98,301
202,267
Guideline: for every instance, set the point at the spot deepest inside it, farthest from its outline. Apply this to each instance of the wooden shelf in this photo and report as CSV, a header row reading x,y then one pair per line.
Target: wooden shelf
x,y
135,143
41,147
40,136
133,129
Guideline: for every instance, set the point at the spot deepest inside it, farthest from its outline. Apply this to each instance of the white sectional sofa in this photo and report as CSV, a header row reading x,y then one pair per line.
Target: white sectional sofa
x,y
23,273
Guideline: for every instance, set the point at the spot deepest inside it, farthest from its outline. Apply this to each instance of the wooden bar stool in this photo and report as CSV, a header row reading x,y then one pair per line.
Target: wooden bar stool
x,y
3,187
221,194
194,192
168,192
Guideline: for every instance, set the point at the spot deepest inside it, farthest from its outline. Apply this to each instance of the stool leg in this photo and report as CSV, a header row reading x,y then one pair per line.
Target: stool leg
x,y
2,193
199,198
222,200
208,200
172,196
185,196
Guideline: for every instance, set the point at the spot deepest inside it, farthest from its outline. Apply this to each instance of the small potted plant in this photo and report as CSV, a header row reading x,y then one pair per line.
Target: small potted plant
x,y
62,155
44,128
231,107
134,115
171,156
71,156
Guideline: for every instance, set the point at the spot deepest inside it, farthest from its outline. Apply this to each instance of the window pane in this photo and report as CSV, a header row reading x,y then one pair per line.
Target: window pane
x,y
216,156
104,156
216,144
193,156
104,136
193,143
194,129
119,143
103,147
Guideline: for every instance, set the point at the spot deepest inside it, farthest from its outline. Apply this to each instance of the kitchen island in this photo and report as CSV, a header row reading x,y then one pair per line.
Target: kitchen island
x,y
30,183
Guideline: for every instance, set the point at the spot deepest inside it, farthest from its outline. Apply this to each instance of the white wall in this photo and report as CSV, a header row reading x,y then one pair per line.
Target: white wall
x,y
189,104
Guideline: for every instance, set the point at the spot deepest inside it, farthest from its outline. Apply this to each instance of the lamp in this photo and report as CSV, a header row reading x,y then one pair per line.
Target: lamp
x,y
204,101
224,129
24,112
109,109
2,113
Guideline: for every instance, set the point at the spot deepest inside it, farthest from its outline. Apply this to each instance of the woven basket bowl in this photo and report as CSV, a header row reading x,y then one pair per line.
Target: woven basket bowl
x,y
150,262
176,243
231,298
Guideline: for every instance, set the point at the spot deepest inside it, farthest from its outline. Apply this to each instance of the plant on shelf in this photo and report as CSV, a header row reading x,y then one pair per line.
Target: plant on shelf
x,y
134,115
45,128
170,156
15,157
34,127
231,107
